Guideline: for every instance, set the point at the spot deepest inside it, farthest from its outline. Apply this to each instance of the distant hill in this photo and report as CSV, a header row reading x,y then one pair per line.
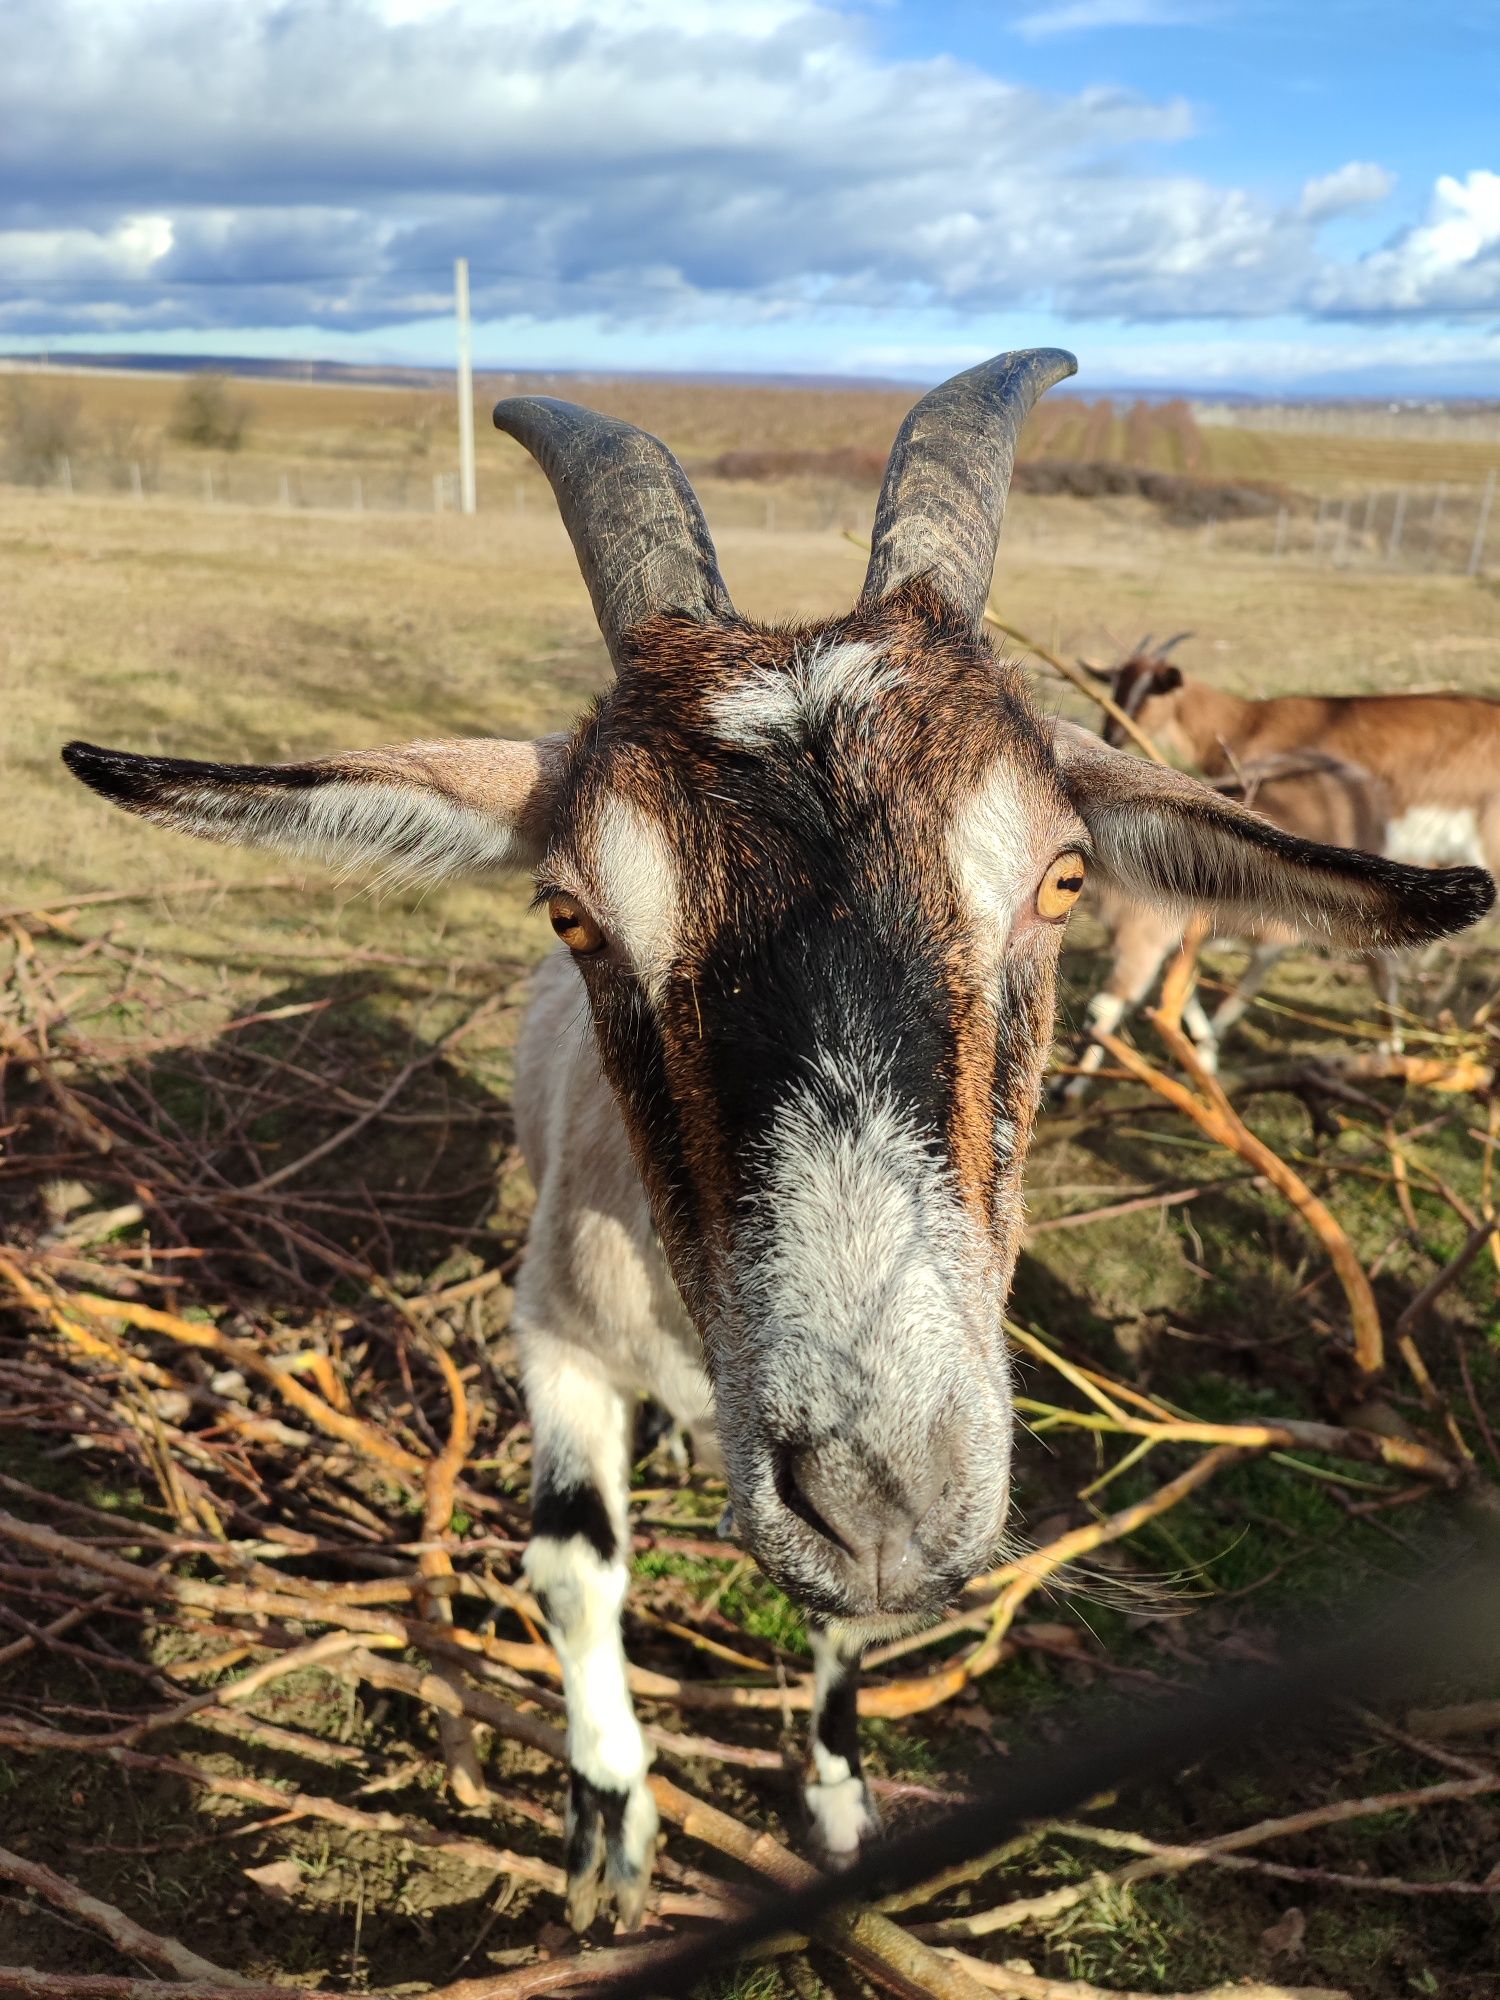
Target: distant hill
x,y
360,375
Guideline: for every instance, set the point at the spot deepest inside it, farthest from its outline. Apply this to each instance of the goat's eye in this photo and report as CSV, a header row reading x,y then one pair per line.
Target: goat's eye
x,y
1061,887
575,926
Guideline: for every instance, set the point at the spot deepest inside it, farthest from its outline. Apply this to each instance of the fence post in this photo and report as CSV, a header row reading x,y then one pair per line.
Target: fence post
x,y
208,485
65,473
1369,515
135,480
1341,537
1280,534
1432,525
286,491
1317,540
1393,546
1476,553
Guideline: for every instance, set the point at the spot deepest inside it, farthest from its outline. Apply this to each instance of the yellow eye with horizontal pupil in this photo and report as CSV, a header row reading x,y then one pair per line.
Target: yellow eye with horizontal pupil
x,y
575,926
1062,885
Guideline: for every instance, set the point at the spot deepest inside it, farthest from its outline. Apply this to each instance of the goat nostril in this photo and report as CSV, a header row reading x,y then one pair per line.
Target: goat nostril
x,y
789,1463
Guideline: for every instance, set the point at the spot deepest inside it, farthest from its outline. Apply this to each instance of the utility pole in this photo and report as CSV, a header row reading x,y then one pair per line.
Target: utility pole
x,y
465,386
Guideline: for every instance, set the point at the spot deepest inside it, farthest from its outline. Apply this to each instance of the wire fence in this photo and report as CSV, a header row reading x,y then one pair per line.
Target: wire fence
x,y
1445,528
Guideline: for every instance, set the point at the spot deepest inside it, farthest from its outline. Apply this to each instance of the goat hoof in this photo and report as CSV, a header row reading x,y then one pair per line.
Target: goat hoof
x,y
611,1839
844,1820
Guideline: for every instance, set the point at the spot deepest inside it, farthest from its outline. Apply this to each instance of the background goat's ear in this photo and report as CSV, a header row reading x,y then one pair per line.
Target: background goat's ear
x,y
418,810
1167,839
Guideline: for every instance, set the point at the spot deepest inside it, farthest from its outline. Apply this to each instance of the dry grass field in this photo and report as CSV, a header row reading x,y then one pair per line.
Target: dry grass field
x,y
166,1052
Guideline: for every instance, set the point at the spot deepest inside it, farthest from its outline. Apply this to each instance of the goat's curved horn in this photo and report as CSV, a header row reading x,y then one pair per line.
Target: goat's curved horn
x,y
1142,647
635,522
944,494
1167,644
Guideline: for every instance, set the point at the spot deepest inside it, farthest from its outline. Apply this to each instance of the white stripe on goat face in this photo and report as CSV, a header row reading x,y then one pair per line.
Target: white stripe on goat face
x,y
868,1340
639,889
858,1235
1000,839
768,703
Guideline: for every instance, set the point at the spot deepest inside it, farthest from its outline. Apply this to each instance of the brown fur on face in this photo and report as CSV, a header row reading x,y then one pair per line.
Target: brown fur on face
x,y
795,832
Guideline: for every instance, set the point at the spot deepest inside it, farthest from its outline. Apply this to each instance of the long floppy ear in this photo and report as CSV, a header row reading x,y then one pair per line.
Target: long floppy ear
x,y
1164,838
415,810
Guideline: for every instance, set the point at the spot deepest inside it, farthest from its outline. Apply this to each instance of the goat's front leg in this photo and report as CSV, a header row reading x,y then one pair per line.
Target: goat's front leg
x,y
1233,1008
1383,968
839,1805
577,1566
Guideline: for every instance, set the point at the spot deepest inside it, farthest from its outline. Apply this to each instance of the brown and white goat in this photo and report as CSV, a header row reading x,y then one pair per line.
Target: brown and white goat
x,y
1415,777
1316,797
1435,757
776,1092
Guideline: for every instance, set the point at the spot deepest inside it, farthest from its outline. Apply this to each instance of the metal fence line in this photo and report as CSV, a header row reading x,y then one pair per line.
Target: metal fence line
x,y
1442,529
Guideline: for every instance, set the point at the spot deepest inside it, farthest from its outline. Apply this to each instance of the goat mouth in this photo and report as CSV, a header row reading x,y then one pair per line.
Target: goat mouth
x,y
869,1623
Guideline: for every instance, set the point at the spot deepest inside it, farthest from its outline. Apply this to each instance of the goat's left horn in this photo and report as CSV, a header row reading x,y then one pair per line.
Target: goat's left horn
x,y
943,499
635,522
1167,644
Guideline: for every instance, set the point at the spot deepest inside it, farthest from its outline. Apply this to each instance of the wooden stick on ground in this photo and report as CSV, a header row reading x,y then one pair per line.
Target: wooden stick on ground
x,y
1212,1113
30,1984
455,1732
1018,1985
122,1931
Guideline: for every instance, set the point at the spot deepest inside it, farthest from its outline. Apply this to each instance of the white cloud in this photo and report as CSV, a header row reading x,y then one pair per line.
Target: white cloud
x,y
1360,184
1450,263
655,166
1077,17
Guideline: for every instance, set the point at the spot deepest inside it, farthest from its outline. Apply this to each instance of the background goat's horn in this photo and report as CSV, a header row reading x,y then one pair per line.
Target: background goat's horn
x,y
636,525
944,494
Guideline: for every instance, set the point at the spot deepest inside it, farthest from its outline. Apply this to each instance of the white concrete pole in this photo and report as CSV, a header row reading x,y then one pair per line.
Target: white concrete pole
x,y
465,385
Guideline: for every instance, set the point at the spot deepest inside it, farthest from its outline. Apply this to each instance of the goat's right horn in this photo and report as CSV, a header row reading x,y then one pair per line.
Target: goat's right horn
x,y
635,522
1167,644
943,498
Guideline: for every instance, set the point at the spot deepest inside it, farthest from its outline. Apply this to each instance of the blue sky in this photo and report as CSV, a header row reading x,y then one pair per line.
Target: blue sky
x,y
1190,193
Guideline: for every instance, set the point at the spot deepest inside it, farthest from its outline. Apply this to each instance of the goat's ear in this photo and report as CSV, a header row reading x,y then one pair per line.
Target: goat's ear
x,y
418,810
1164,838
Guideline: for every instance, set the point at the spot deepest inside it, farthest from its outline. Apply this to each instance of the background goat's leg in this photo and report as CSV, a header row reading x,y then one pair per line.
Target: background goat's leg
x,y
1139,941
842,1812
1232,1009
1384,977
576,1564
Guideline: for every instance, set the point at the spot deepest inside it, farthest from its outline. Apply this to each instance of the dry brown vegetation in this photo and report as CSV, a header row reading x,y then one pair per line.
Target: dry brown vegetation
x,y
261,1205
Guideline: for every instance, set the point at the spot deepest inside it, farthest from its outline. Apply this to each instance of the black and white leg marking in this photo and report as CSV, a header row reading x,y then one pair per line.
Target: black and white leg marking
x,y
839,1805
1201,1032
576,1566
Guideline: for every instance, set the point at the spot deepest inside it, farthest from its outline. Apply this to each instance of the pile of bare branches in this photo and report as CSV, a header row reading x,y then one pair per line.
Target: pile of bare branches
x,y
327,1458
